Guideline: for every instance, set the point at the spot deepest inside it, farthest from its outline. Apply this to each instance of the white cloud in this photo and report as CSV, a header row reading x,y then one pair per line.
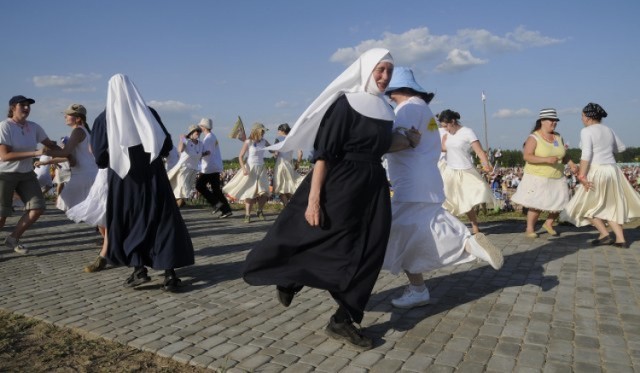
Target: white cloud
x,y
172,105
284,104
419,46
459,60
532,38
67,82
512,113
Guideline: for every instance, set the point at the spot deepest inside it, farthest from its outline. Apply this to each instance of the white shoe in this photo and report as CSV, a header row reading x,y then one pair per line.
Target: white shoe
x,y
14,244
412,298
481,247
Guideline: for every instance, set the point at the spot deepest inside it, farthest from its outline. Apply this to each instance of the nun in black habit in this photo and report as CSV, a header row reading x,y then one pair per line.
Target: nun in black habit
x,y
333,233
144,225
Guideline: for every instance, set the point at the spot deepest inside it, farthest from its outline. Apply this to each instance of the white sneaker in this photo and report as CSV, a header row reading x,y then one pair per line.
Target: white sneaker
x,y
15,245
412,298
481,247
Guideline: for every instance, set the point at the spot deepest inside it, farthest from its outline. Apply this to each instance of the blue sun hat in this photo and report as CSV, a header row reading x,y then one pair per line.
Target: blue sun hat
x,y
403,78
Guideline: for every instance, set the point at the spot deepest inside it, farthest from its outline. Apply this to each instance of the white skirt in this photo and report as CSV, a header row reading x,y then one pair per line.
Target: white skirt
x,y
612,198
542,193
465,189
93,210
249,186
424,237
183,181
285,177
76,190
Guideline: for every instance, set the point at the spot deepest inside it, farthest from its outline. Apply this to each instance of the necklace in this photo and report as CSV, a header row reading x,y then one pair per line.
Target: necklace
x,y
552,141
21,126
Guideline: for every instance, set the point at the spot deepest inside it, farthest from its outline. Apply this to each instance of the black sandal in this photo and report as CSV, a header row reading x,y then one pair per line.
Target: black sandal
x,y
622,245
137,278
607,240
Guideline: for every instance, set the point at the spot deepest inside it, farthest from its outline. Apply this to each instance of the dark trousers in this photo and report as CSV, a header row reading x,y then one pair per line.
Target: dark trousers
x,y
215,197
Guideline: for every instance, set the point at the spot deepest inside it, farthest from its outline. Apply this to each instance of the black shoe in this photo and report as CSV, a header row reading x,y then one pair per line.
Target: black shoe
x,y
216,208
226,214
171,283
138,277
349,333
285,295
607,240
622,245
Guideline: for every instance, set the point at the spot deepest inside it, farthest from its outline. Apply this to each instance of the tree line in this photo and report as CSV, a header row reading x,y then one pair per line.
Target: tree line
x,y
513,158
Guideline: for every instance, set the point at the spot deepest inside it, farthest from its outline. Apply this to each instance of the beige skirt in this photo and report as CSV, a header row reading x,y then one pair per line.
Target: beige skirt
x,y
249,186
285,177
612,198
183,181
464,190
542,193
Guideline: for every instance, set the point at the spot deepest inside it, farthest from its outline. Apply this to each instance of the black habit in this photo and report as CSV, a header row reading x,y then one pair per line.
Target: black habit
x,y
345,254
144,224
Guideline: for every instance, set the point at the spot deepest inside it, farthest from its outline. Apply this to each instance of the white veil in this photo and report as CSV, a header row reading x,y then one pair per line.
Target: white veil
x,y
354,79
129,123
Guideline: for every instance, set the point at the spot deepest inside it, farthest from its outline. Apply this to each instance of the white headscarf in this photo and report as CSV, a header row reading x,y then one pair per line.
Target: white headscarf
x,y
129,123
355,79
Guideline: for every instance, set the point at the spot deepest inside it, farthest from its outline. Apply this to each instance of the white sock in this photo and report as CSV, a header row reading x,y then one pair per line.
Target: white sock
x,y
418,288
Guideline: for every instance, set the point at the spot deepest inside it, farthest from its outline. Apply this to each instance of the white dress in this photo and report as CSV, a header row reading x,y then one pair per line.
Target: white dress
x,y
183,175
463,185
83,174
612,197
44,172
256,182
93,210
285,177
424,236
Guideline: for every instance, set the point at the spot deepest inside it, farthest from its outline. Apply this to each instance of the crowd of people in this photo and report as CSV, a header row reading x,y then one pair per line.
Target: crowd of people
x,y
341,224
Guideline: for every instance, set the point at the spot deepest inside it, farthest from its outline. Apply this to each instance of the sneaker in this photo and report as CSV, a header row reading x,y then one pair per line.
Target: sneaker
x,y
226,214
486,251
412,298
247,219
260,215
349,333
15,245
98,265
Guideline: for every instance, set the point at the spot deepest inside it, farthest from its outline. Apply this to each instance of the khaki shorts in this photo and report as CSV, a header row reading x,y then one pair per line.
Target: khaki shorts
x,y
26,185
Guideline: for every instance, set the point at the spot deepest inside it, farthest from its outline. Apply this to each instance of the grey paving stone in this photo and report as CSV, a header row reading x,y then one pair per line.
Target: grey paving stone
x,y
556,306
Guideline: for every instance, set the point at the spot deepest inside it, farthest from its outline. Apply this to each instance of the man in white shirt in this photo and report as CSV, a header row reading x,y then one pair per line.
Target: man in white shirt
x,y
211,167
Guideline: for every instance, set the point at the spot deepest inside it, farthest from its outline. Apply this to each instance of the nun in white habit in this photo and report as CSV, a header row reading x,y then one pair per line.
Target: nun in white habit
x,y
144,225
333,233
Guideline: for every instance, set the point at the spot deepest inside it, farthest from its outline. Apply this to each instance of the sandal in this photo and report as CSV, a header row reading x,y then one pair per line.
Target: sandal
x,y
171,283
622,245
138,277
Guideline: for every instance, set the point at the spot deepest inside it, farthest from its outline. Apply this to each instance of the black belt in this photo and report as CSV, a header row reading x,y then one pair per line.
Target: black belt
x,y
362,157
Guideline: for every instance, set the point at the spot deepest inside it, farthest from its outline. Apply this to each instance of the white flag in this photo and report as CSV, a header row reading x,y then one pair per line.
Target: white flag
x,y
484,98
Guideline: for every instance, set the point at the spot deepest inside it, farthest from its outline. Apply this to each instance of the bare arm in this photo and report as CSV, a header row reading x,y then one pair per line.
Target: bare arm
x,y
243,151
181,144
410,139
76,137
312,214
484,160
7,155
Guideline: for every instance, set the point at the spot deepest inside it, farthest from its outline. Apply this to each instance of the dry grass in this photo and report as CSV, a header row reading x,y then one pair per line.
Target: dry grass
x,y
27,345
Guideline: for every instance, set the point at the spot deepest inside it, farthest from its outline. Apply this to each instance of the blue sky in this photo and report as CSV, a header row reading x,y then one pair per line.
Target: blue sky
x,y
267,60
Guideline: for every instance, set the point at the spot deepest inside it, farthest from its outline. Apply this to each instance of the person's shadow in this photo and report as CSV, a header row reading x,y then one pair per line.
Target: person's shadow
x,y
453,290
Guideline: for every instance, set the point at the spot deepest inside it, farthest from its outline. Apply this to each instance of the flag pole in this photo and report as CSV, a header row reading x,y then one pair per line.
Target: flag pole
x,y
484,108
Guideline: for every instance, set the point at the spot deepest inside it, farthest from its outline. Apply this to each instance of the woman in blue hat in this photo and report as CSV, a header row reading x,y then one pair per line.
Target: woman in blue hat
x,y
424,236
